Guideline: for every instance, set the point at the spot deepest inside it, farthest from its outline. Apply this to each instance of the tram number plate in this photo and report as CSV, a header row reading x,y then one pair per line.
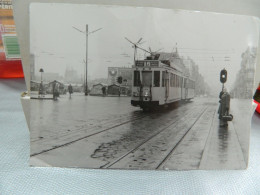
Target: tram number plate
x,y
146,63
139,63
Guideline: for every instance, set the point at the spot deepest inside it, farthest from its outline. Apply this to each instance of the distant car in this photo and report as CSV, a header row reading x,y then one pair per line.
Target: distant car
x,y
257,99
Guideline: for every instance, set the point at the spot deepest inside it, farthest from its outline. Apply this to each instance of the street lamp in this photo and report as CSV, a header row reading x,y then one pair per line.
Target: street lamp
x,y
41,71
86,33
41,85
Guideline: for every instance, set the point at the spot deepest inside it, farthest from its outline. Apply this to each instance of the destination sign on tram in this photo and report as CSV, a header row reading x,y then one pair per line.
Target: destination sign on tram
x,y
148,63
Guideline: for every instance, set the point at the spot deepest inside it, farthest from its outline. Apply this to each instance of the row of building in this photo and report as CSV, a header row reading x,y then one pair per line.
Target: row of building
x,y
71,77
243,86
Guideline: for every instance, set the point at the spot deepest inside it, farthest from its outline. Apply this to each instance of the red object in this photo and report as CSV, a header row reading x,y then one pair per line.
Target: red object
x,y
10,68
257,99
258,107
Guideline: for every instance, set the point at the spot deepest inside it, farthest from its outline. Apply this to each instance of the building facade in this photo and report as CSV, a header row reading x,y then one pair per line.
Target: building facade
x,y
71,76
243,86
125,73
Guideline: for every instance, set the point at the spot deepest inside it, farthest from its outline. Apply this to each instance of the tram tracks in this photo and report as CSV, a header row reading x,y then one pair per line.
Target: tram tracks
x,y
89,135
86,128
166,157
110,164
180,140
74,139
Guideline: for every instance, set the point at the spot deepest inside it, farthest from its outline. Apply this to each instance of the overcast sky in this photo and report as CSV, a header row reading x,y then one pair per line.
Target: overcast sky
x,y
206,37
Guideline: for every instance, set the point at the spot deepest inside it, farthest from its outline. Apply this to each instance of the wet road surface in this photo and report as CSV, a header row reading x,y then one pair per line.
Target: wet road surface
x,y
107,132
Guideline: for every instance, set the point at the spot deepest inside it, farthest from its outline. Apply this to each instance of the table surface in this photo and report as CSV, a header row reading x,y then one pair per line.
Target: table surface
x,y
16,177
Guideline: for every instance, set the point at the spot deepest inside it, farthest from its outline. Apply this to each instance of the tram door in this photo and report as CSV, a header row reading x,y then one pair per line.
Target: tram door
x,y
166,84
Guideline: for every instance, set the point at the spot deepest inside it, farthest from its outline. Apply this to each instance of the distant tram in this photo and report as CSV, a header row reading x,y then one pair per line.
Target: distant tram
x,y
159,80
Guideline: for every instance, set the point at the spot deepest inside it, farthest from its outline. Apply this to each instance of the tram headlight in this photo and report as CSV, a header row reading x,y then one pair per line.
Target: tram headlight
x,y
146,94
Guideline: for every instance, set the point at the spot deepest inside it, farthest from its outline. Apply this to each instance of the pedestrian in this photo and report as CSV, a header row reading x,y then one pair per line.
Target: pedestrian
x,y
70,88
55,91
41,89
104,90
224,106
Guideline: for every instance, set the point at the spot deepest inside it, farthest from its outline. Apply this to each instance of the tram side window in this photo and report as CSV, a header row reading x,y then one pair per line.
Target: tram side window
x,y
156,80
137,79
163,78
171,80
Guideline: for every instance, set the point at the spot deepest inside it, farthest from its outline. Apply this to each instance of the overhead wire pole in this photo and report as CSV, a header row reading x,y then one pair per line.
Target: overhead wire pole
x,y
86,86
87,33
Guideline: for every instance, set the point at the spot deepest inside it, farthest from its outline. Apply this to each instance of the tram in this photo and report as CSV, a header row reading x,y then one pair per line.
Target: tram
x,y
160,79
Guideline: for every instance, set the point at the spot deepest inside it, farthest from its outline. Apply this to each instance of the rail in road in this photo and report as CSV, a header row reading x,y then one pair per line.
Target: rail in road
x,y
161,145
169,126
186,137
110,124
62,139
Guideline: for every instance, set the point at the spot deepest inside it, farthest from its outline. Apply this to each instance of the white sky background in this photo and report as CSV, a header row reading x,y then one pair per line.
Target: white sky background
x,y
199,35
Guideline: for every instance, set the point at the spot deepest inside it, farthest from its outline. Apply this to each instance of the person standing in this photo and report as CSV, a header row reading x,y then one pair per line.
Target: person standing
x,y
104,90
41,90
224,106
55,90
70,89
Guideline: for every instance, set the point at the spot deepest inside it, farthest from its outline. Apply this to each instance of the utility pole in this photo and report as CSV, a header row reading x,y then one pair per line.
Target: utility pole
x,y
86,85
87,33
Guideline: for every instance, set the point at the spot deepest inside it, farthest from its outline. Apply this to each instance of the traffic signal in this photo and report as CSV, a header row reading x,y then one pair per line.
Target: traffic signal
x,y
119,79
223,76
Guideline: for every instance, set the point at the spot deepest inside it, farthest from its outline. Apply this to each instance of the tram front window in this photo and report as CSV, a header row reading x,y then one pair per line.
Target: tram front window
x,y
156,77
137,80
147,78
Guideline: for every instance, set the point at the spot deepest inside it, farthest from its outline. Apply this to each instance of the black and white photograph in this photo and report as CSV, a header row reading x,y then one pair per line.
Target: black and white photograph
x,y
120,87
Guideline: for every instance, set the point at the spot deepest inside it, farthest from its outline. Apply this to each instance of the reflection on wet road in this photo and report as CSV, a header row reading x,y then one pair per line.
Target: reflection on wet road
x,y
223,139
107,132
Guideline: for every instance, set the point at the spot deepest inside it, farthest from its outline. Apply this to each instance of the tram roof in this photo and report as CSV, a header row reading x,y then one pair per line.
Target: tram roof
x,y
175,60
168,56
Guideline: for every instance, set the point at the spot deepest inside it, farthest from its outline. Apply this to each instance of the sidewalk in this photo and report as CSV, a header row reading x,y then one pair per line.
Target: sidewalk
x,y
223,149
35,95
